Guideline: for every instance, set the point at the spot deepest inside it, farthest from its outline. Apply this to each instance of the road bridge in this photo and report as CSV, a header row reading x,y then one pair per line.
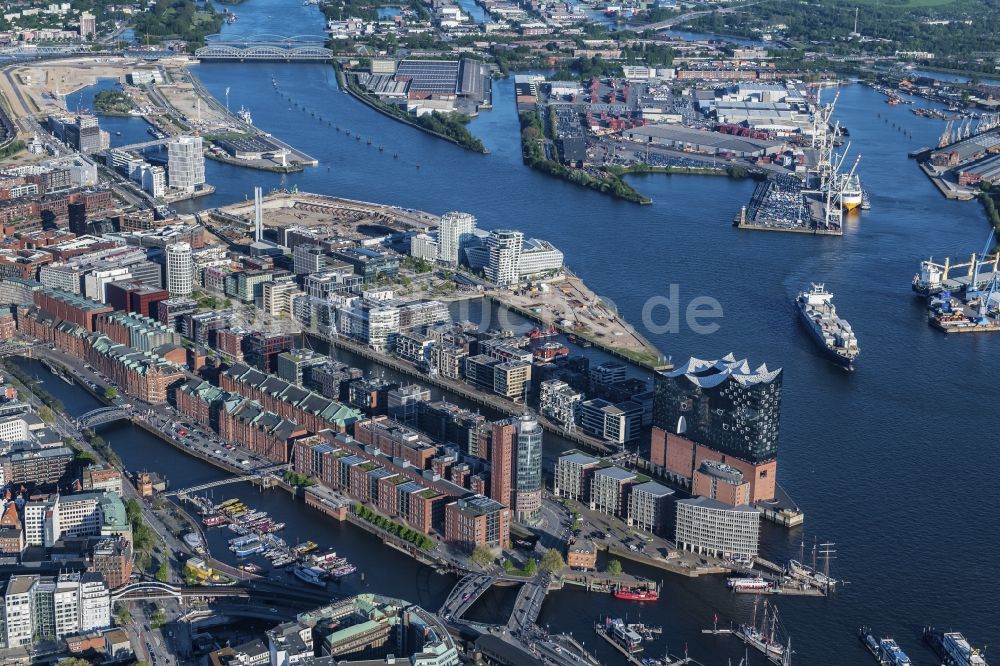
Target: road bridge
x,y
100,416
683,18
529,600
16,349
465,593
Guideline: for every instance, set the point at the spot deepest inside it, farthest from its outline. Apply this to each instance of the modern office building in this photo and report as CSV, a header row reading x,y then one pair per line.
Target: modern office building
x,y
618,424
573,475
718,410
477,521
308,259
528,468
180,269
539,258
503,247
454,233
502,447
710,527
185,163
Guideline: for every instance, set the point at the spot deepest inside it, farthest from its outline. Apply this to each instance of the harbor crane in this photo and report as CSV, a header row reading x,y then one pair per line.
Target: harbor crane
x,y
977,264
984,303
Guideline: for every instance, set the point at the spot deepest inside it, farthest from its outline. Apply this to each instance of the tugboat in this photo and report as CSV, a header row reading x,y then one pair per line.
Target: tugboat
x,y
833,334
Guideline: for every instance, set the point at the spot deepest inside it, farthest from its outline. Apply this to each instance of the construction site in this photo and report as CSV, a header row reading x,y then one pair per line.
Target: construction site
x,y
817,204
326,217
569,305
966,157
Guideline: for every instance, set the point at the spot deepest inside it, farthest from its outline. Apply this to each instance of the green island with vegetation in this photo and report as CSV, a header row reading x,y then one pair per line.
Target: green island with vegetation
x,y
950,29
178,19
449,126
113,103
533,154
989,197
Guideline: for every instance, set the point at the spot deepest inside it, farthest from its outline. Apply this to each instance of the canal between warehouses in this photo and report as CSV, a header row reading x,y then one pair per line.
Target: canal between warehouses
x,y
889,462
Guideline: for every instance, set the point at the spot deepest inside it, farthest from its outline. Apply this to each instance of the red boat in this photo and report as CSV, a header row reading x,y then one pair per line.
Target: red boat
x,y
213,520
629,594
540,333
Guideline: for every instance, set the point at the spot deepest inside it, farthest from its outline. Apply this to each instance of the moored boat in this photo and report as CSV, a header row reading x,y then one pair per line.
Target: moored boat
x,y
636,594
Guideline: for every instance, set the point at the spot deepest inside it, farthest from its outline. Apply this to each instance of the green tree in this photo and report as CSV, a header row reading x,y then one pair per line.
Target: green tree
x,y
553,560
123,615
46,415
163,574
481,555
530,567
615,568
73,661
110,393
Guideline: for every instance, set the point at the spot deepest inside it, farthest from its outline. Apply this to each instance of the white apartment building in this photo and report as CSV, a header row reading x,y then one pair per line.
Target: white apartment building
x,y
503,248
95,602
711,527
66,605
180,269
53,607
455,230
154,180
185,163
34,522
372,323
18,624
424,246
277,297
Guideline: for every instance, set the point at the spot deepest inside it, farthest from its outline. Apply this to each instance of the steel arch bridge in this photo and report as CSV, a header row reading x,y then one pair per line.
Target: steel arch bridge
x,y
307,53
147,589
100,416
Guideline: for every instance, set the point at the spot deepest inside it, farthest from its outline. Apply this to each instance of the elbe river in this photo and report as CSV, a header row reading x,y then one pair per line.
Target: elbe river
x,y
894,462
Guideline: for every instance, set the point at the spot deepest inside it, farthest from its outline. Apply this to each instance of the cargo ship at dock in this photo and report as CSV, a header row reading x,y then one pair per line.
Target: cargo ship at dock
x,y
834,334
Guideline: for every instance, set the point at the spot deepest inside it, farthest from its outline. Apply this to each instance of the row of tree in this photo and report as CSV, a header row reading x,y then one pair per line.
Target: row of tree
x,y
418,539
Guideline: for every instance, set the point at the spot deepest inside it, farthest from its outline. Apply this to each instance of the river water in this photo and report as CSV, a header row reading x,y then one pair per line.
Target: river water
x,y
889,462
